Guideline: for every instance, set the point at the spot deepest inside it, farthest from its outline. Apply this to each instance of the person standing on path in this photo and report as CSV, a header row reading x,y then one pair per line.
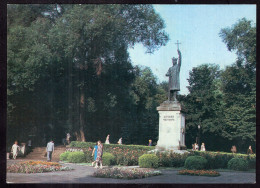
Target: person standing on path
x,y
68,138
99,154
202,148
15,149
50,150
94,152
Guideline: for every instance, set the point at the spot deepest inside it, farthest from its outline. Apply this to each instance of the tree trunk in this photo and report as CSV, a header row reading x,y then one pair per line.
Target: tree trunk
x,y
81,115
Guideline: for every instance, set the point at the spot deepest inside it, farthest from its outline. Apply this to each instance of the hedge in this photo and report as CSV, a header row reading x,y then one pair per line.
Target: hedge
x,y
126,155
170,159
238,164
220,159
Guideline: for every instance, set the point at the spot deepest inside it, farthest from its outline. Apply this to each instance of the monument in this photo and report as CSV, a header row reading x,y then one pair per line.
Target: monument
x,y
171,118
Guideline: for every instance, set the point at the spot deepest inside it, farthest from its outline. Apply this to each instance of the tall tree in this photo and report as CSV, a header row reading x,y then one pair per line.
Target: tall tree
x,y
60,57
239,84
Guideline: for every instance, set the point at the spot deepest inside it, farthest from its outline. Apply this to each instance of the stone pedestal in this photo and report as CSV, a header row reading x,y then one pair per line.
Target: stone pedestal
x,y
171,126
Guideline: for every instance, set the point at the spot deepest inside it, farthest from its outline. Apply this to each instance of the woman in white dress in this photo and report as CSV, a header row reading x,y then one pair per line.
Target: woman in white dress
x,y
15,149
202,148
107,140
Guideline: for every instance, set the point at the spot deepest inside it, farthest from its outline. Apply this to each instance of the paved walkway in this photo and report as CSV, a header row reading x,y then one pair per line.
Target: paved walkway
x,y
83,174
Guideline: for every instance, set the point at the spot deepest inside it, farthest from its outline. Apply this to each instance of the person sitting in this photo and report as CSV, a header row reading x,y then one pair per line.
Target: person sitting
x,y
107,140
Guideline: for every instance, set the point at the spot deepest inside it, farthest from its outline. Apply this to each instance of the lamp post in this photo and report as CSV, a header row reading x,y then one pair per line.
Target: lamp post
x,y
199,134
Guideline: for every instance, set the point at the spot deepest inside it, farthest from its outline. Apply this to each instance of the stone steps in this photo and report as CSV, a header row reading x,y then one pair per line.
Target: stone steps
x,y
38,153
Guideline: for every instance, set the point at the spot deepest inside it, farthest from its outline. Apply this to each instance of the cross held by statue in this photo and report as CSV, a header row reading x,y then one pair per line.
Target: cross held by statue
x,y
177,44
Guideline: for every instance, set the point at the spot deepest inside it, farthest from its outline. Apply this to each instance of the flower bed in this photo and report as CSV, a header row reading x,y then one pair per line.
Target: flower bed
x,y
211,173
123,173
36,167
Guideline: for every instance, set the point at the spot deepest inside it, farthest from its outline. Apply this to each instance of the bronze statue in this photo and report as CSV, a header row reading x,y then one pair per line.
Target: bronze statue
x,y
174,77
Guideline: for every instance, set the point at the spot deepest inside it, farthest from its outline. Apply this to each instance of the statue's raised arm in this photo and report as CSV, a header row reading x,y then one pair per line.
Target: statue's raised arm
x,y
179,60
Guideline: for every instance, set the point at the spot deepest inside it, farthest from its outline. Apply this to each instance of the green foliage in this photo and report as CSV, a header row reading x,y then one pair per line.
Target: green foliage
x,y
76,157
239,84
64,156
171,159
108,159
238,164
195,162
148,161
220,159
62,55
126,155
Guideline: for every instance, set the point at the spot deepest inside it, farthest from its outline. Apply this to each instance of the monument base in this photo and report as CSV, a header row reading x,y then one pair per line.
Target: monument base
x,y
171,127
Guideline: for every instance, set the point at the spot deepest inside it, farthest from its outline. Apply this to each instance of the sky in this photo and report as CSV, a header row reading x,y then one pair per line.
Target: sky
x,y
197,28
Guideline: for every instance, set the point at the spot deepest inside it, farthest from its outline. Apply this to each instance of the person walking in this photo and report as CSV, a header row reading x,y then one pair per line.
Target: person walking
x,y
94,153
50,150
99,155
107,140
15,149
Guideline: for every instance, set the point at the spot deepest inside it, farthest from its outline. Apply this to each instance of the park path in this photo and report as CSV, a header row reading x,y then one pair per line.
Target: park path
x,y
83,174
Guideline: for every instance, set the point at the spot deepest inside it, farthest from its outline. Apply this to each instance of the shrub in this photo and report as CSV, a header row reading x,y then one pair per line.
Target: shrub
x,y
171,159
238,164
64,156
108,159
195,162
76,157
221,159
149,161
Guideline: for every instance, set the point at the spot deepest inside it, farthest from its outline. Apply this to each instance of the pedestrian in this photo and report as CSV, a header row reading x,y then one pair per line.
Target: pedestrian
x,y
15,149
193,147
99,155
202,148
250,151
50,150
196,147
234,149
150,143
107,140
94,153
68,138
120,141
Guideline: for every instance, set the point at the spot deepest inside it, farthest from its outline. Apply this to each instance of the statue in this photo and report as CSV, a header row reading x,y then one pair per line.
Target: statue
x,y
174,76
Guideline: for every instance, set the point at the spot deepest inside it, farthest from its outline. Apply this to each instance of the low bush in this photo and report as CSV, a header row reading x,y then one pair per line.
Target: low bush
x,y
238,164
195,162
149,161
76,157
108,159
64,156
